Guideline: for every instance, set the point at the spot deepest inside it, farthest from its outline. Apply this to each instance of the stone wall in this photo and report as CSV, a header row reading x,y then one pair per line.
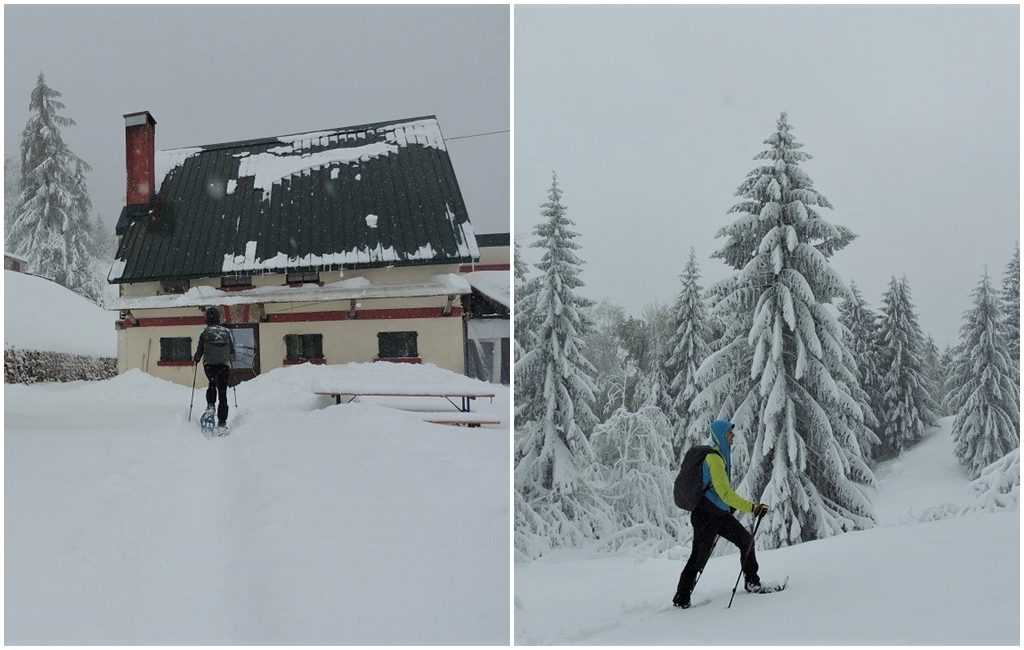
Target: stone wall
x,y
33,366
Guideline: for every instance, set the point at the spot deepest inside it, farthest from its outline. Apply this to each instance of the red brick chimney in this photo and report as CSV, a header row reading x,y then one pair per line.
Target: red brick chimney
x,y
140,147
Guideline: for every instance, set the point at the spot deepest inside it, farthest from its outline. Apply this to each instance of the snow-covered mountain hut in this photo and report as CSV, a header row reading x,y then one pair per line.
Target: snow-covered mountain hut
x,y
321,247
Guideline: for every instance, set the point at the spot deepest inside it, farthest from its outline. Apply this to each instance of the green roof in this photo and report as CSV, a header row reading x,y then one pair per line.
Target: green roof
x,y
366,196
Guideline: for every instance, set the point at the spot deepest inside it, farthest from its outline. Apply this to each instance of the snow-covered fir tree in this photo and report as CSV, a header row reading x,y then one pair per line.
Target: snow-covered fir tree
x,y
12,191
605,353
653,386
998,487
933,367
785,364
985,392
51,223
859,322
688,348
553,451
1011,306
906,407
521,290
636,466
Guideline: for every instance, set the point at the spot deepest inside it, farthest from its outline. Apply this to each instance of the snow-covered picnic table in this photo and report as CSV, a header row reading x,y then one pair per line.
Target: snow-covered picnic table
x,y
404,380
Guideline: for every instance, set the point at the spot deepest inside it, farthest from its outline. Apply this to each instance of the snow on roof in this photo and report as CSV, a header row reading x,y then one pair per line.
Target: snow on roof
x,y
166,160
43,315
294,156
493,284
350,289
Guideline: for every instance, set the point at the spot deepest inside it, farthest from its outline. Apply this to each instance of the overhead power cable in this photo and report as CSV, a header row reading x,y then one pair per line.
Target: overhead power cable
x,y
475,135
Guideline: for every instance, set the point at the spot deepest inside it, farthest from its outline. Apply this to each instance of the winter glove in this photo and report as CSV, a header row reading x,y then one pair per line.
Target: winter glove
x,y
760,510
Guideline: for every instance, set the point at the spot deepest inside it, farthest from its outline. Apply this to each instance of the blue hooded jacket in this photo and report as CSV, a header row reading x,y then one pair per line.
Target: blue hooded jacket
x,y
720,441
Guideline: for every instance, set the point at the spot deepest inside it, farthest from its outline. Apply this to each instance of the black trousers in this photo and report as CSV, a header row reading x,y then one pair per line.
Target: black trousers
x,y
709,520
217,374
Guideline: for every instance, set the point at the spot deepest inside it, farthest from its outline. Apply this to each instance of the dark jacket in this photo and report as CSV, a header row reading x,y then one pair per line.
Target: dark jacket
x,y
217,346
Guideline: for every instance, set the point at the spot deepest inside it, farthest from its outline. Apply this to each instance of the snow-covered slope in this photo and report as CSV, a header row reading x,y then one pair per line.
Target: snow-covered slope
x,y
949,581
43,315
310,524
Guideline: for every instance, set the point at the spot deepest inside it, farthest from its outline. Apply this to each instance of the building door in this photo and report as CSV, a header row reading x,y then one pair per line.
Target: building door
x,y
247,358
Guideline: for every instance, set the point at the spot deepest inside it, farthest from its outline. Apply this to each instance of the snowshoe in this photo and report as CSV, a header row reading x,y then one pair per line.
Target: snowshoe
x,y
221,430
765,587
207,421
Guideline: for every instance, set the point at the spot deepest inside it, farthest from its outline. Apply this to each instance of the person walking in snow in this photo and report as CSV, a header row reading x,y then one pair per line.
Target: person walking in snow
x,y
713,517
217,348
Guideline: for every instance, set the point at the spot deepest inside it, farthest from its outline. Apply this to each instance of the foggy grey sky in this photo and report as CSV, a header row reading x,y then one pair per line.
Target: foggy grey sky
x,y
213,74
651,117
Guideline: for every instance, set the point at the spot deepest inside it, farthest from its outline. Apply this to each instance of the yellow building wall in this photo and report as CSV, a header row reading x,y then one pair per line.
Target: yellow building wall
x,y
440,339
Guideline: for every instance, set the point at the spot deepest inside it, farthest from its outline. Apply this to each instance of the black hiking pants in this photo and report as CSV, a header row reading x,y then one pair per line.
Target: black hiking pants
x,y
709,520
217,374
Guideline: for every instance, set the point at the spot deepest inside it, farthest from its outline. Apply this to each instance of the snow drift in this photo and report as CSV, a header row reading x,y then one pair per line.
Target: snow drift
x,y
310,524
42,315
926,575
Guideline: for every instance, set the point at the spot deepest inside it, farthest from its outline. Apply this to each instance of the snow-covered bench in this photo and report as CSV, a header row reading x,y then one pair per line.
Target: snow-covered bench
x,y
456,419
465,395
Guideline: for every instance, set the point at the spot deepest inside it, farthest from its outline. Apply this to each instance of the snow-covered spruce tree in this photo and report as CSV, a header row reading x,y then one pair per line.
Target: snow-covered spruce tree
x,y
12,191
933,367
49,227
520,280
998,487
859,322
553,453
1011,306
636,467
688,348
907,407
985,393
786,364
602,349
653,386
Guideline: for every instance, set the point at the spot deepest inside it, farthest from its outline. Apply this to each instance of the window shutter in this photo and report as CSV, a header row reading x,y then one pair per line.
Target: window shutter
x,y
313,346
291,343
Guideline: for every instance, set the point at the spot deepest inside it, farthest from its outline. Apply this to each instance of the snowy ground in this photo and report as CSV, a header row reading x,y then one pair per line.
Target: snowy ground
x,y
909,581
310,524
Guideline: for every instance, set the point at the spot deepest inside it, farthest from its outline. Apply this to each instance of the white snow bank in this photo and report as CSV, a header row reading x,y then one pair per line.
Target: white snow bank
x,y
43,315
380,377
945,582
308,525
951,580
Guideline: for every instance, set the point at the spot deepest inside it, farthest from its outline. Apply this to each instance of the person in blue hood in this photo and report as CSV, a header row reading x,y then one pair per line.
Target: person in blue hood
x,y
713,517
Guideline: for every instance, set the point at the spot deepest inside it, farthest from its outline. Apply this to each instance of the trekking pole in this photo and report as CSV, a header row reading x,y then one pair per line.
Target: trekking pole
x,y
194,374
701,572
743,558
234,389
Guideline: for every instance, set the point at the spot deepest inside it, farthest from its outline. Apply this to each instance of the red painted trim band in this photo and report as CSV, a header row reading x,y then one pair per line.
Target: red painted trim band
x,y
400,359
295,362
363,314
467,268
175,363
306,317
171,321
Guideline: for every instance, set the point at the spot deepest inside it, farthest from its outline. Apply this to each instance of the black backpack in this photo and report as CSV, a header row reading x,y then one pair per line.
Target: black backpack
x,y
689,486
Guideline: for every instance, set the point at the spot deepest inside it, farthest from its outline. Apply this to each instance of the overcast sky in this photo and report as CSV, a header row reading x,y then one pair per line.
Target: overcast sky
x,y
651,117
213,74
